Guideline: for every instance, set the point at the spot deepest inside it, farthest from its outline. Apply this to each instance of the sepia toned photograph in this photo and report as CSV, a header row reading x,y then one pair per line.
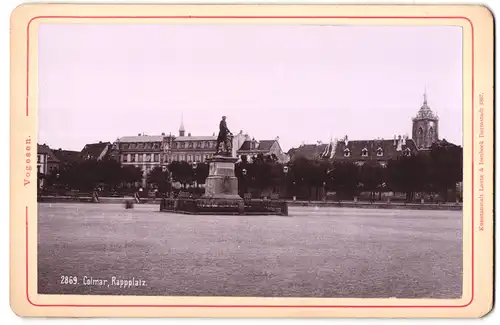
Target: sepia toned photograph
x,y
250,160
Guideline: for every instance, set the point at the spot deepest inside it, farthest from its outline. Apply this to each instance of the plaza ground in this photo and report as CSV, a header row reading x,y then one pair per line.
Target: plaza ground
x,y
314,252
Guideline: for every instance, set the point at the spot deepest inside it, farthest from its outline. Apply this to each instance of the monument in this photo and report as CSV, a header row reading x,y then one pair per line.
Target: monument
x,y
221,182
221,187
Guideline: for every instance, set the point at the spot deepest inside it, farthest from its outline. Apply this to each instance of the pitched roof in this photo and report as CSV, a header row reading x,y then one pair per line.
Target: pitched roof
x,y
266,144
94,150
142,138
45,149
67,156
307,151
370,148
197,138
262,145
159,138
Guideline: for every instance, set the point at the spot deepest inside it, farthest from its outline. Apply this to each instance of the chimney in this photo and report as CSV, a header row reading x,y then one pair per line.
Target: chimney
x,y
241,131
138,134
100,141
163,133
189,134
400,143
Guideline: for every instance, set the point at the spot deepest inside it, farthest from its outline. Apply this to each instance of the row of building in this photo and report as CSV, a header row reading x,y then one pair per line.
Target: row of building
x,y
150,151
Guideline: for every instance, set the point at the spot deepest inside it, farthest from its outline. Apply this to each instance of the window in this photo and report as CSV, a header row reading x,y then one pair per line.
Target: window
x,y
380,152
347,153
157,157
197,158
132,146
140,158
124,158
148,157
190,144
420,137
198,144
140,146
133,158
124,146
364,152
189,158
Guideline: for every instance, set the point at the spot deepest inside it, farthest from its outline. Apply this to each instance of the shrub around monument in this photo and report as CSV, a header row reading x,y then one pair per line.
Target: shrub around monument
x,y
266,207
221,206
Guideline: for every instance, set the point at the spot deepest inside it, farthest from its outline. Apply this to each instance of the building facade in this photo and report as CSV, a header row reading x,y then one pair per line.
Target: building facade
x,y
424,134
377,150
150,151
95,151
251,148
42,160
47,161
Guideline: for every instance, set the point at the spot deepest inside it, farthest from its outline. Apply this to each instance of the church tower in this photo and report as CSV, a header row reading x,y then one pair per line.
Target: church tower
x,y
425,126
182,131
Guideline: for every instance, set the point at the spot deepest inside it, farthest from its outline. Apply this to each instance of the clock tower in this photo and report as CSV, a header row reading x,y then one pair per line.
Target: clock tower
x,y
425,126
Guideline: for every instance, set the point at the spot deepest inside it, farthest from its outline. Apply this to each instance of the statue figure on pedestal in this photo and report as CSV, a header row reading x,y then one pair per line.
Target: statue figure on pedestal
x,y
224,140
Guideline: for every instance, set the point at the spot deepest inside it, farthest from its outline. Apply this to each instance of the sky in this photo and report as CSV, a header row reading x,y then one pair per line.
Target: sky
x,y
301,83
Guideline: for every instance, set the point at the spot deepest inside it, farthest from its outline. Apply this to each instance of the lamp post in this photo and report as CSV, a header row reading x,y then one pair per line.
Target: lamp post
x,y
285,171
194,165
244,178
324,191
57,184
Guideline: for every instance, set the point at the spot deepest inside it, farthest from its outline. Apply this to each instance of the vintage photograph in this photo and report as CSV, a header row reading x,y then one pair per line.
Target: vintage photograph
x,y
250,160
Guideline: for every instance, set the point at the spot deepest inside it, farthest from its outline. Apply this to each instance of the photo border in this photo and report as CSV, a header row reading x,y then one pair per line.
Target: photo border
x,y
265,17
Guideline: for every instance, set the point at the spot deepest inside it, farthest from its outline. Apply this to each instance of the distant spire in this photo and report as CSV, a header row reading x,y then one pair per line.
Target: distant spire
x,y
425,95
182,122
182,131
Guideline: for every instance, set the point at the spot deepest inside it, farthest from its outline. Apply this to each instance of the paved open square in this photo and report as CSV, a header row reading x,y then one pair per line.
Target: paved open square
x,y
314,252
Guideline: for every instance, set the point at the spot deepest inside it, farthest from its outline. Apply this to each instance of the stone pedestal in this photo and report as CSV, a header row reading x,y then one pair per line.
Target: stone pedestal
x,y
221,182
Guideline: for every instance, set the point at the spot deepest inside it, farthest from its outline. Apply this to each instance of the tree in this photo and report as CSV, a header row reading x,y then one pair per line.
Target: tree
x,y
446,160
157,176
345,176
201,173
182,172
131,174
409,174
108,173
372,176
